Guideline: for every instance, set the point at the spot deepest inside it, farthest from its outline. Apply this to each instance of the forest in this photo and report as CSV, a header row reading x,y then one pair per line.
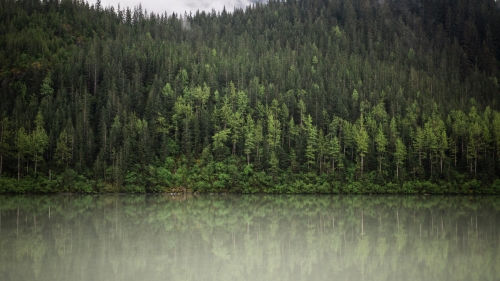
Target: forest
x,y
295,96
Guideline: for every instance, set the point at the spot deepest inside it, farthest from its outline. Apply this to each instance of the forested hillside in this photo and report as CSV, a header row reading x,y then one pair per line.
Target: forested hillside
x,y
349,96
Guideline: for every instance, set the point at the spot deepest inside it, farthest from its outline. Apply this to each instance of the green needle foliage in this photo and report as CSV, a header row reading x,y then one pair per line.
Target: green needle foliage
x,y
289,96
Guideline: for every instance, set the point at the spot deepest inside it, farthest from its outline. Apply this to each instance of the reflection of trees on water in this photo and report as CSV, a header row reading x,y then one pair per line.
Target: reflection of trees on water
x,y
123,237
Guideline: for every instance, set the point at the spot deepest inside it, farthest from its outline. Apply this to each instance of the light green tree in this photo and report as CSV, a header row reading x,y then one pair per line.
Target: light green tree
x,y
459,127
274,163
219,139
293,131
348,134
200,96
167,91
162,125
334,151
63,153
249,137
443,146
399,155
46,89
474,141
258,138
39,140
381,145
394,133
236,125
312,141
273,130
183,109
419,144
436,139
23,143
362,142
302,110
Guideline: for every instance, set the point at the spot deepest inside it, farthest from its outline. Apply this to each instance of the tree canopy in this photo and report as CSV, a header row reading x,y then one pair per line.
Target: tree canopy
x,y
287,96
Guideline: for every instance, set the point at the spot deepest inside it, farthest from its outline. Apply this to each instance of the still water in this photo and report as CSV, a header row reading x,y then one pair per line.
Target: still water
x,y
160,237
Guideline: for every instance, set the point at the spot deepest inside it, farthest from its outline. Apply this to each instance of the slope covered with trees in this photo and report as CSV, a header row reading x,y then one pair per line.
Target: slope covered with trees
x,y
293,96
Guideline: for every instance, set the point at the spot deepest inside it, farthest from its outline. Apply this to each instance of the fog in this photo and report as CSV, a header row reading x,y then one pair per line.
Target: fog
x,y
178,6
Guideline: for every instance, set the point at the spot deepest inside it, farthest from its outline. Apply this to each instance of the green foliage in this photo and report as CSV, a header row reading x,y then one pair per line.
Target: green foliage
x,y
274,130
274,163
334,152
399,156
381,143
361,141
323,100
63,153
38,140
5,139
312,141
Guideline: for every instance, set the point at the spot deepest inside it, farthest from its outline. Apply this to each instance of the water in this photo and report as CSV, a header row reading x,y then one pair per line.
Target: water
x,y
159,237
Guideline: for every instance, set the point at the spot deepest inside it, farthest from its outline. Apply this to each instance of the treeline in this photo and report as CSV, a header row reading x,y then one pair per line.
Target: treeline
x,y
346,96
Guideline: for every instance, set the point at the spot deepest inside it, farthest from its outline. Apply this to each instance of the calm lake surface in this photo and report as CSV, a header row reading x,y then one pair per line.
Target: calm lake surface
x,y
162,237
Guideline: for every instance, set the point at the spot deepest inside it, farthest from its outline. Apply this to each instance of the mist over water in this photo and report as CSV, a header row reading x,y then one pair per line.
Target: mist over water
x,y
260,237
179,7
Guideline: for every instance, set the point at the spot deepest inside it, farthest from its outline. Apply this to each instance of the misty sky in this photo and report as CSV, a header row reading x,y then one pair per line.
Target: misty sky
x,y
177,6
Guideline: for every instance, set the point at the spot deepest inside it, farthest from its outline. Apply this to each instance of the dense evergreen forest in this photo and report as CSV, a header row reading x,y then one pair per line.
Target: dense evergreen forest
x,y
349,96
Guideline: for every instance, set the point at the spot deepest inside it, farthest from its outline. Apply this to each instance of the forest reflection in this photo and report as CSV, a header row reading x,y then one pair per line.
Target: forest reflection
x,y
161,237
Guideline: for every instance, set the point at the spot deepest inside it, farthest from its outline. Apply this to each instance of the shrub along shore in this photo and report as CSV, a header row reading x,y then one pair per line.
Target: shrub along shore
x,y
70,182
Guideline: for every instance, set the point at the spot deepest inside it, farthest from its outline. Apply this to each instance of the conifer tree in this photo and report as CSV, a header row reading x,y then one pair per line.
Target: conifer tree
x,y
23,144
249,137
496,131
5,139
362,142
39,140
334,151
274,163
63,148
399,155
381,143
273,130
312,141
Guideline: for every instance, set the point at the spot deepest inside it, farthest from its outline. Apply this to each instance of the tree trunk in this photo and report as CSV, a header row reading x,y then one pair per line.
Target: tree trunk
x,y
455,158
320,165
283,136
361,166
430,159
95,79
441,164
380,165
